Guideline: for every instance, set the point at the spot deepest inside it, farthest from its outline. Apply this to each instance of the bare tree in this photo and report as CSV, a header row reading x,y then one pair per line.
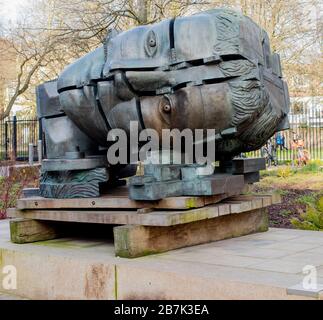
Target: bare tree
x,y
39,48
53,33
293,27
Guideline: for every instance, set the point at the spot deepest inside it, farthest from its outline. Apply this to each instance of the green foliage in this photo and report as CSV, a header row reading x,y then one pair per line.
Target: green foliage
x,y
312,166
308,199
268,173
284,172
286,162
281,172
10,191
281,192
319,204
285,213
312,219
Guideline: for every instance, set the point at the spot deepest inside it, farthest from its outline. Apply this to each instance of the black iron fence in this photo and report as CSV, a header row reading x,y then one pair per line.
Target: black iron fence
x,y
15,136
306,128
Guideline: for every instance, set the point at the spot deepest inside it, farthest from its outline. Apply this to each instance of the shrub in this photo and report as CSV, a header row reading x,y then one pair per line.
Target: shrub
x,y
284,172
307,199
281,192
12,185
312,219
312,166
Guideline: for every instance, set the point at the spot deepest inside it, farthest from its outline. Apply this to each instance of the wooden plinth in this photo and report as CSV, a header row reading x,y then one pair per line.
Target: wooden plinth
x,y
117,199
131,241
25,231
146,229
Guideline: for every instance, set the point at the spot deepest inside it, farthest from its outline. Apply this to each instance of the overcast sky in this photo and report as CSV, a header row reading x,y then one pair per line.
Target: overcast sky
x,y
10,8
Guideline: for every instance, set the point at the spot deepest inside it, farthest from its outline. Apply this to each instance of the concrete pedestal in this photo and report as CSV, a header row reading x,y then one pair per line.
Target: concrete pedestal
x,y
257,266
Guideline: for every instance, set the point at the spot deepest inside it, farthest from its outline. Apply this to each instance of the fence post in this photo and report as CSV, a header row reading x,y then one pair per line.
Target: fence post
x,y
6,141
40,140
40,129
40,150
14,138
31,154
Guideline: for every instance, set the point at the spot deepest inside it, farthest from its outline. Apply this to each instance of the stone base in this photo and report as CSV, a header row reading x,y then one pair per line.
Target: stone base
x,y
257,266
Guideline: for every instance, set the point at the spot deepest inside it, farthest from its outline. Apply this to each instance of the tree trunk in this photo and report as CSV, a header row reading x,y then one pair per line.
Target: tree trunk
x,y
142,12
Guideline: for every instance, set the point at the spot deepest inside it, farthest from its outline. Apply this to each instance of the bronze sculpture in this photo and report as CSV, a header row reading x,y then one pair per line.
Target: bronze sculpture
x,y
212,70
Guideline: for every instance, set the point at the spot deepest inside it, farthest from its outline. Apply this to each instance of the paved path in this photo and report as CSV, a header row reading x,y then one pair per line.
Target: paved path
x,y
4,296
262,265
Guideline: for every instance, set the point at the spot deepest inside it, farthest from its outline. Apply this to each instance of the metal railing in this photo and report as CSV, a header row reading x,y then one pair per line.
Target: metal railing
x,y
15,137
306,125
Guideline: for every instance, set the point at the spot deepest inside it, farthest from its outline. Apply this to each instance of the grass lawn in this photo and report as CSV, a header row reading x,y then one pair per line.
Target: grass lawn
x,y
299,181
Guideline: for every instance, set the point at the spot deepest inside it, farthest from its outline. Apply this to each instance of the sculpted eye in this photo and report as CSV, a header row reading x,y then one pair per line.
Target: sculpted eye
x,y
151,43
166,105
166,108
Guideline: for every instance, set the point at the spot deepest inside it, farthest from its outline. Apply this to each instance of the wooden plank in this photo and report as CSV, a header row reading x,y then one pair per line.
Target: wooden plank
x,y
238,206
116,202
224,209
151,218
81,216
132,241
266,200
26,231
154,218
214,199
256,202
171,218
106,202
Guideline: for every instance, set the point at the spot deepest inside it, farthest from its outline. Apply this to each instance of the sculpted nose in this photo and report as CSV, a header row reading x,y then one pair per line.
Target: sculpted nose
x,y
150,81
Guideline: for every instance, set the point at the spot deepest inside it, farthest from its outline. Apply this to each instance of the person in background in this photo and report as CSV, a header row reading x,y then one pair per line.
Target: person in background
x,y
268,151
300,154
283,145
273,153
278,141
293,147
